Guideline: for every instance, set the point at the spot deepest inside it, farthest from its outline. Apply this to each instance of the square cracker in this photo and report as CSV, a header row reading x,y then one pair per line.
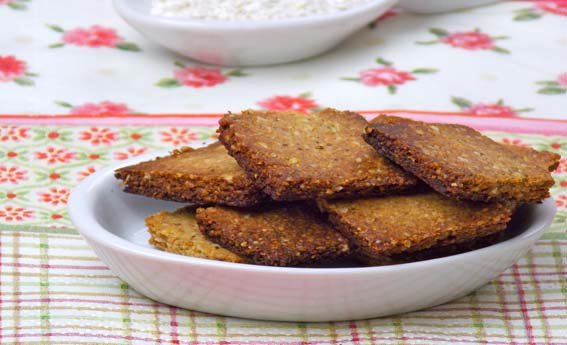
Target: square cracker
x,y
177,232
201,176
294,156
278,234
459,162
437,251
399,225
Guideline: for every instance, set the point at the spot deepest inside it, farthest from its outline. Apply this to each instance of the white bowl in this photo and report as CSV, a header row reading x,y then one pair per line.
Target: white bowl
x,y
245,43
439,6
113,224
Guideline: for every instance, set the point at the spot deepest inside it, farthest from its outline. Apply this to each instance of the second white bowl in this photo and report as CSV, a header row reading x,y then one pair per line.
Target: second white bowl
x,y
245,43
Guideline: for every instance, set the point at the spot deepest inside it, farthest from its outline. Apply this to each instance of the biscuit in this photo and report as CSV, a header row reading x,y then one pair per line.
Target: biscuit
x,y
278,234
294,156
397,225
459,162
546,159
201,176
435,252
177,232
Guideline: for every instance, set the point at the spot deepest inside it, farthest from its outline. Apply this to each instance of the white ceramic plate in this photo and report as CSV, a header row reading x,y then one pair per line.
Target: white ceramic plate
x,y
113,224
244,43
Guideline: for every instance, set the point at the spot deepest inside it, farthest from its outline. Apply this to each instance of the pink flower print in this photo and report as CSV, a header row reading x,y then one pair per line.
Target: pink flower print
x,y
102,108
482,109
388,76
12,174
53,155
554,7
197,77
302,103
98,136
14,214
94,109
515,142
384,76
14,4
561,201
558,7
85,173
13,133
178,136
562,79
129,153
11,68
54,196
95,36
469,40
562,167
498,109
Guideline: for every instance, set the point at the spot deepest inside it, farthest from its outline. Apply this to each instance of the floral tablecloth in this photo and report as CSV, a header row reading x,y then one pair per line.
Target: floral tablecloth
x,y
70,57
79,90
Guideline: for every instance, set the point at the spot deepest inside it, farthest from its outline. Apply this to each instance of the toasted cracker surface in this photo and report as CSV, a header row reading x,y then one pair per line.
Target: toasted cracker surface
x,y
294,156
177,232
201,176
437,251
546,159
278,234
395,225
460,162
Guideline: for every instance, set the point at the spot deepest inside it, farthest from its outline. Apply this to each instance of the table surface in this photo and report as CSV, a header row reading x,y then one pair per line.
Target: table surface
x,y
79,89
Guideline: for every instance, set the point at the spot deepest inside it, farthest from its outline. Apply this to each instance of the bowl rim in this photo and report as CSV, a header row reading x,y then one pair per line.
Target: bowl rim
x,y
123,8
83,218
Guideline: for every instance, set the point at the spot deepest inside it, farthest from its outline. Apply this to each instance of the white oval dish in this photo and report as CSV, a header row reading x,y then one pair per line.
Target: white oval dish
x,y
246,43
113,224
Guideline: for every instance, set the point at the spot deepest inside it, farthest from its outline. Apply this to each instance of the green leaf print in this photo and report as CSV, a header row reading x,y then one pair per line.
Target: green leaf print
x,y
24,81
55,28
424,70
551,90
168,82
439,32
128,46
461,102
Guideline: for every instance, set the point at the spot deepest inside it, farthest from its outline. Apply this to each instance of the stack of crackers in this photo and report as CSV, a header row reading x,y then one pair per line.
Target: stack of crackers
x,y
289,189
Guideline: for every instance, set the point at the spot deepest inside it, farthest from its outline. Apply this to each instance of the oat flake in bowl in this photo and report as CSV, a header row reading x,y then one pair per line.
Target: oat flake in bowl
x,y
249,9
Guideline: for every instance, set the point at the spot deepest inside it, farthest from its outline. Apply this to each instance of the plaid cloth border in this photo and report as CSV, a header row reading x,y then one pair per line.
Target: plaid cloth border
x,y
55,290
